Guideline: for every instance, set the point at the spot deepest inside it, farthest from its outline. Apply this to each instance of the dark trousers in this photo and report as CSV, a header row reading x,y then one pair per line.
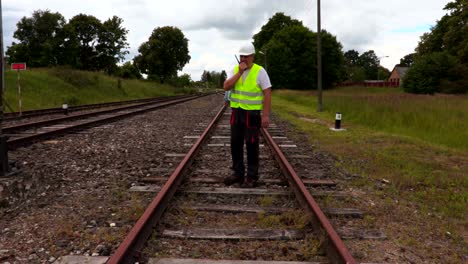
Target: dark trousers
x,y
245,126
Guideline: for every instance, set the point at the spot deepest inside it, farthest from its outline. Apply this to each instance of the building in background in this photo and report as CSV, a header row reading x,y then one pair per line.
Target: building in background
x,y
397,75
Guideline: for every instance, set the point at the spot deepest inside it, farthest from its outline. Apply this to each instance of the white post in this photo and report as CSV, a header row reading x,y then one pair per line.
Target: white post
x,y
319,58
19,94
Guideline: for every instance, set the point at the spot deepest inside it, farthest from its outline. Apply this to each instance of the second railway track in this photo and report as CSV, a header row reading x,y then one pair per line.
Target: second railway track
x,y
23,133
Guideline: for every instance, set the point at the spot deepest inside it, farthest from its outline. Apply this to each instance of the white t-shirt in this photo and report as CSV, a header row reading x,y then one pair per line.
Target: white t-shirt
x,y
262,78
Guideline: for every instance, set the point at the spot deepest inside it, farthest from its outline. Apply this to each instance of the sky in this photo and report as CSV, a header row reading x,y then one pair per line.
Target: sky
x,y
217,28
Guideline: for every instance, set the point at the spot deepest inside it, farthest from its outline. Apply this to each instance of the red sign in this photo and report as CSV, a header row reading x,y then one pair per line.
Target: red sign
x,y
18,66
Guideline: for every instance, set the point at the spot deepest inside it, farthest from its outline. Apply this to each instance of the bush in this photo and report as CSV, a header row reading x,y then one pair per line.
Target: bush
x,y
128,71
180,81
457,81
434,73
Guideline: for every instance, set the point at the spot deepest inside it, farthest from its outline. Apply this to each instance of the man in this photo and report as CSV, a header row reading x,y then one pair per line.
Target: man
x,y
250,92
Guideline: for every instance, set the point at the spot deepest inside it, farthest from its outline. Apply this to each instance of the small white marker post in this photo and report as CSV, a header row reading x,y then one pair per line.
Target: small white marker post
x,y
65,108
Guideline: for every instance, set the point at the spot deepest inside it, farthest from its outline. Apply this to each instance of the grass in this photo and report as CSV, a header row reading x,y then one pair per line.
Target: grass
x,y
426,117
419,144
411,163
51,87
290,219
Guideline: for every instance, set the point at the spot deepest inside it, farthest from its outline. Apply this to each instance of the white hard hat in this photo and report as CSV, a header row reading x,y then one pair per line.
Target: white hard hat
x,y
247,49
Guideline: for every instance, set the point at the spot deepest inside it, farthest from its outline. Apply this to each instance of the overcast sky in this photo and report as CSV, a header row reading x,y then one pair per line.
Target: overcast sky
x,y
217,28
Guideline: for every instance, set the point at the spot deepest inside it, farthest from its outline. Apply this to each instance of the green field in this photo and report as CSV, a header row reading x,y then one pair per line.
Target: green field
x,y
48,88
416,143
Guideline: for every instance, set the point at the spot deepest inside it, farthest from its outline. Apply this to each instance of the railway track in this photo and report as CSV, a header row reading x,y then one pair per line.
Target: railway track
x,y
21,134
195,219
12,116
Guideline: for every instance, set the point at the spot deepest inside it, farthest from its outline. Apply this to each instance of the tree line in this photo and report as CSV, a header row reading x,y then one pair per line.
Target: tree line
x,y
46,39
439,64
288,50
86,43
284,46
365,66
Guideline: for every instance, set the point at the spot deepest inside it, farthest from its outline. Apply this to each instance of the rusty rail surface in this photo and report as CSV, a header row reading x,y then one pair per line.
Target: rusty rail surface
x,y
336,249
128,251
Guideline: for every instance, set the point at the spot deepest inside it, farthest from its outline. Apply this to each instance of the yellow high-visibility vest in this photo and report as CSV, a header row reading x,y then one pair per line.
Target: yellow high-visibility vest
x,y
247,94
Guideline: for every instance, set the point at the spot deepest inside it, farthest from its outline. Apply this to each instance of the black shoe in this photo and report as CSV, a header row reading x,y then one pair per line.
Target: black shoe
x,y
234,178
249,183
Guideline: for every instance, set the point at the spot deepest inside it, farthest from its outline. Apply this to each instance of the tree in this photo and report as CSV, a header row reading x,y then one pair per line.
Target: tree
x,y
84,42
292,53
222,78
82,39
333,61
430,71
449,34
370,62
213,78
441,58
456,38
432,41
129,71
353,71
206,76
363,67
355,74
183,80
40,39
383,73
351,58
112,42
275,24
407,60
165,53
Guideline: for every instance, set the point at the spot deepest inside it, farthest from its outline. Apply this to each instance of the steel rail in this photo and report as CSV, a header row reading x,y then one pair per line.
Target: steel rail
x,y
23,126
336,250
20,141
55,110
129,249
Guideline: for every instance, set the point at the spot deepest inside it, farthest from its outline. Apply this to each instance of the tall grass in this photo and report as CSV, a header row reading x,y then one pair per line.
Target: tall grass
x,y
47,88
419,143
439,119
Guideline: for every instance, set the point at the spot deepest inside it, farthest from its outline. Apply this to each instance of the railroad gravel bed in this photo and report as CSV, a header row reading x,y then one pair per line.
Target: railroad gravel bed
x,y
71,193
72,197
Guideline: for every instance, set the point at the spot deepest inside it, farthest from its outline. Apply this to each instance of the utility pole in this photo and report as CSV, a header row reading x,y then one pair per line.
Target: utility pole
x,y
4,166
319,59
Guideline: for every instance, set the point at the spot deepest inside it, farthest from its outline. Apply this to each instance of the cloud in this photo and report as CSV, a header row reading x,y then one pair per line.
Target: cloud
x,y
216,28
240,20
418,29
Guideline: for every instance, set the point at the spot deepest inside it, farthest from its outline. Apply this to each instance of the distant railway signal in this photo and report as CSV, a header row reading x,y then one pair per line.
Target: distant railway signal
x,y
18,66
